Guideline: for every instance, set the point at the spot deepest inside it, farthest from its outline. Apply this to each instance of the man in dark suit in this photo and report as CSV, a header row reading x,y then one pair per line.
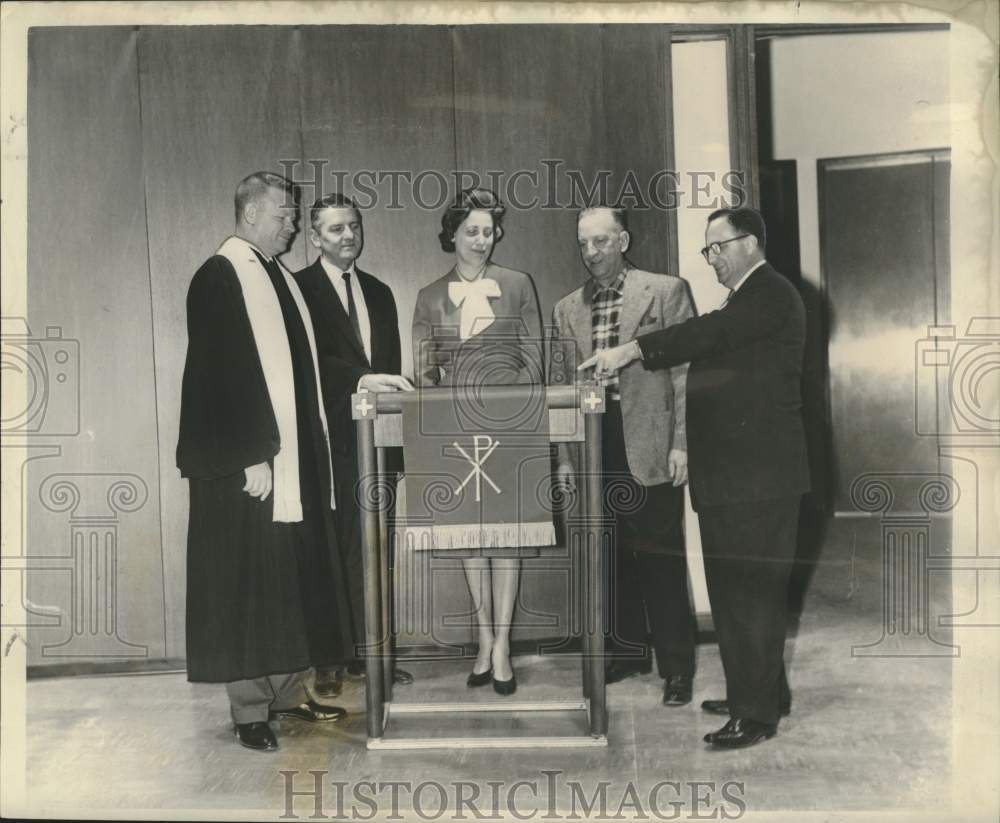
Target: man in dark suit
x,y
746,459
357,337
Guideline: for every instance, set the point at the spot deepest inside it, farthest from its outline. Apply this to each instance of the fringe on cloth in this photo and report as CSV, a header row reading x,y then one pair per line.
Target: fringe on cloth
x,y
473,536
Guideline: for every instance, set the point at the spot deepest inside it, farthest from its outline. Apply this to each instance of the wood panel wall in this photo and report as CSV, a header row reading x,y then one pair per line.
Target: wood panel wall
x,y
139,137
216,105
88,277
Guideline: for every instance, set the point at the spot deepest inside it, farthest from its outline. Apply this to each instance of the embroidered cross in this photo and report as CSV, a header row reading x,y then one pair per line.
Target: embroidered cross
x,y
483,447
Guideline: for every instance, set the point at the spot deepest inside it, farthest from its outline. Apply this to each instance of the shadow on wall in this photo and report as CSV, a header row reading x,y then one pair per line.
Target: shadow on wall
x,y
815,511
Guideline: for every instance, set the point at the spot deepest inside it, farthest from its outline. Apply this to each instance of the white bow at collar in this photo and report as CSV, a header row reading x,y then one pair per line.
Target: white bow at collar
x,y
473,298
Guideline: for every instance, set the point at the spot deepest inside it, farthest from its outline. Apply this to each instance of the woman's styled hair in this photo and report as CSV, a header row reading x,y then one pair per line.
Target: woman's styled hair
x,y
469,200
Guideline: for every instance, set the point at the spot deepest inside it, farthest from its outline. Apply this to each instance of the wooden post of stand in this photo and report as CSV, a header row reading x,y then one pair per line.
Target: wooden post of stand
x,y
593,517
364,415
577,542
385,552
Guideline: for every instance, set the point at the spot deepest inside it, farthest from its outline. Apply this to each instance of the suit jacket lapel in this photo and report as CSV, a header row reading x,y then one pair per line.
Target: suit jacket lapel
x,y
375,319
341,322
635,301
751,279
582,324
452,313
488,274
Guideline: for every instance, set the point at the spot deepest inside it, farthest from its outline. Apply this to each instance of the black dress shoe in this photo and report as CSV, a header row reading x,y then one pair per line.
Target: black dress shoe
x,y
256,735
328,682
620,670
480,679
677,690
505,688
722,707
311,712
741,732
357,671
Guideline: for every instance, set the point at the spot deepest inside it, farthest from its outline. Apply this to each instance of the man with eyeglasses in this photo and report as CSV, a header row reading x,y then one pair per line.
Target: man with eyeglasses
x,y
644,453
747,461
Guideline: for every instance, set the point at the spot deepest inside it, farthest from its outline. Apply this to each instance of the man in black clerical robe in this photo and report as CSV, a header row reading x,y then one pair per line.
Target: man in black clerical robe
x,y
264,599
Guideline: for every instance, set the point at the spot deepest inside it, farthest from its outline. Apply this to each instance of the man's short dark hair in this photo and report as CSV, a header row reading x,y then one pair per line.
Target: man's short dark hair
x,y
336,200
618,213
746,221
256,185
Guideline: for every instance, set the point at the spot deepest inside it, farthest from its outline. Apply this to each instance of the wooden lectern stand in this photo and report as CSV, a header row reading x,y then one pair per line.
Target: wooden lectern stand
x,y
378,418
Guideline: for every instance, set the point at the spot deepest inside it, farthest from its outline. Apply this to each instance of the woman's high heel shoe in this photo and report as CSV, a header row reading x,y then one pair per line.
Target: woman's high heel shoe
x,y
505,688
480,679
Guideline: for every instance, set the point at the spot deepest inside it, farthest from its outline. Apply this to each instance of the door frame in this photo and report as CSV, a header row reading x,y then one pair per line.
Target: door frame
x,y
823,166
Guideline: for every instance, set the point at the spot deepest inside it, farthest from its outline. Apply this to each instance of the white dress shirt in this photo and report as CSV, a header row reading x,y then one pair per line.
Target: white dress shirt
x,y
749,271
336,276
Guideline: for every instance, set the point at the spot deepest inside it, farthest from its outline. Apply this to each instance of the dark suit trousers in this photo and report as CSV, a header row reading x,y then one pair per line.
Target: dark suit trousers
x,y
648,564
349,536
748,550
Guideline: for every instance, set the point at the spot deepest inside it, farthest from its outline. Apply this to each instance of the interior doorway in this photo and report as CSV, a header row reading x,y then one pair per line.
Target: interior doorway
x,y
885,268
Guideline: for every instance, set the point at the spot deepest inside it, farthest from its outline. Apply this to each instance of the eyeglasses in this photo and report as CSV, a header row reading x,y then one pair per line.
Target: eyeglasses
x,y
716,248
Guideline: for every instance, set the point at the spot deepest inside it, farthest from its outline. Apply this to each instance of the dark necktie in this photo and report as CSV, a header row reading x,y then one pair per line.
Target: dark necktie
x,y
352,310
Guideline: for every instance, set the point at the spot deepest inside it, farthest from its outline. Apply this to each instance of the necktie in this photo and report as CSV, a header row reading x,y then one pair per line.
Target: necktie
x,y
352,310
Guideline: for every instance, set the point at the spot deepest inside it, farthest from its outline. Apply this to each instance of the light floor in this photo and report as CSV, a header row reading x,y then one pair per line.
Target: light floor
x,y
865,733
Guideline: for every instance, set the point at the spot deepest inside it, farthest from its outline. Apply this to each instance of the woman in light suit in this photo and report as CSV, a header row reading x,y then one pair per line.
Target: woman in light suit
x,y
479,325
